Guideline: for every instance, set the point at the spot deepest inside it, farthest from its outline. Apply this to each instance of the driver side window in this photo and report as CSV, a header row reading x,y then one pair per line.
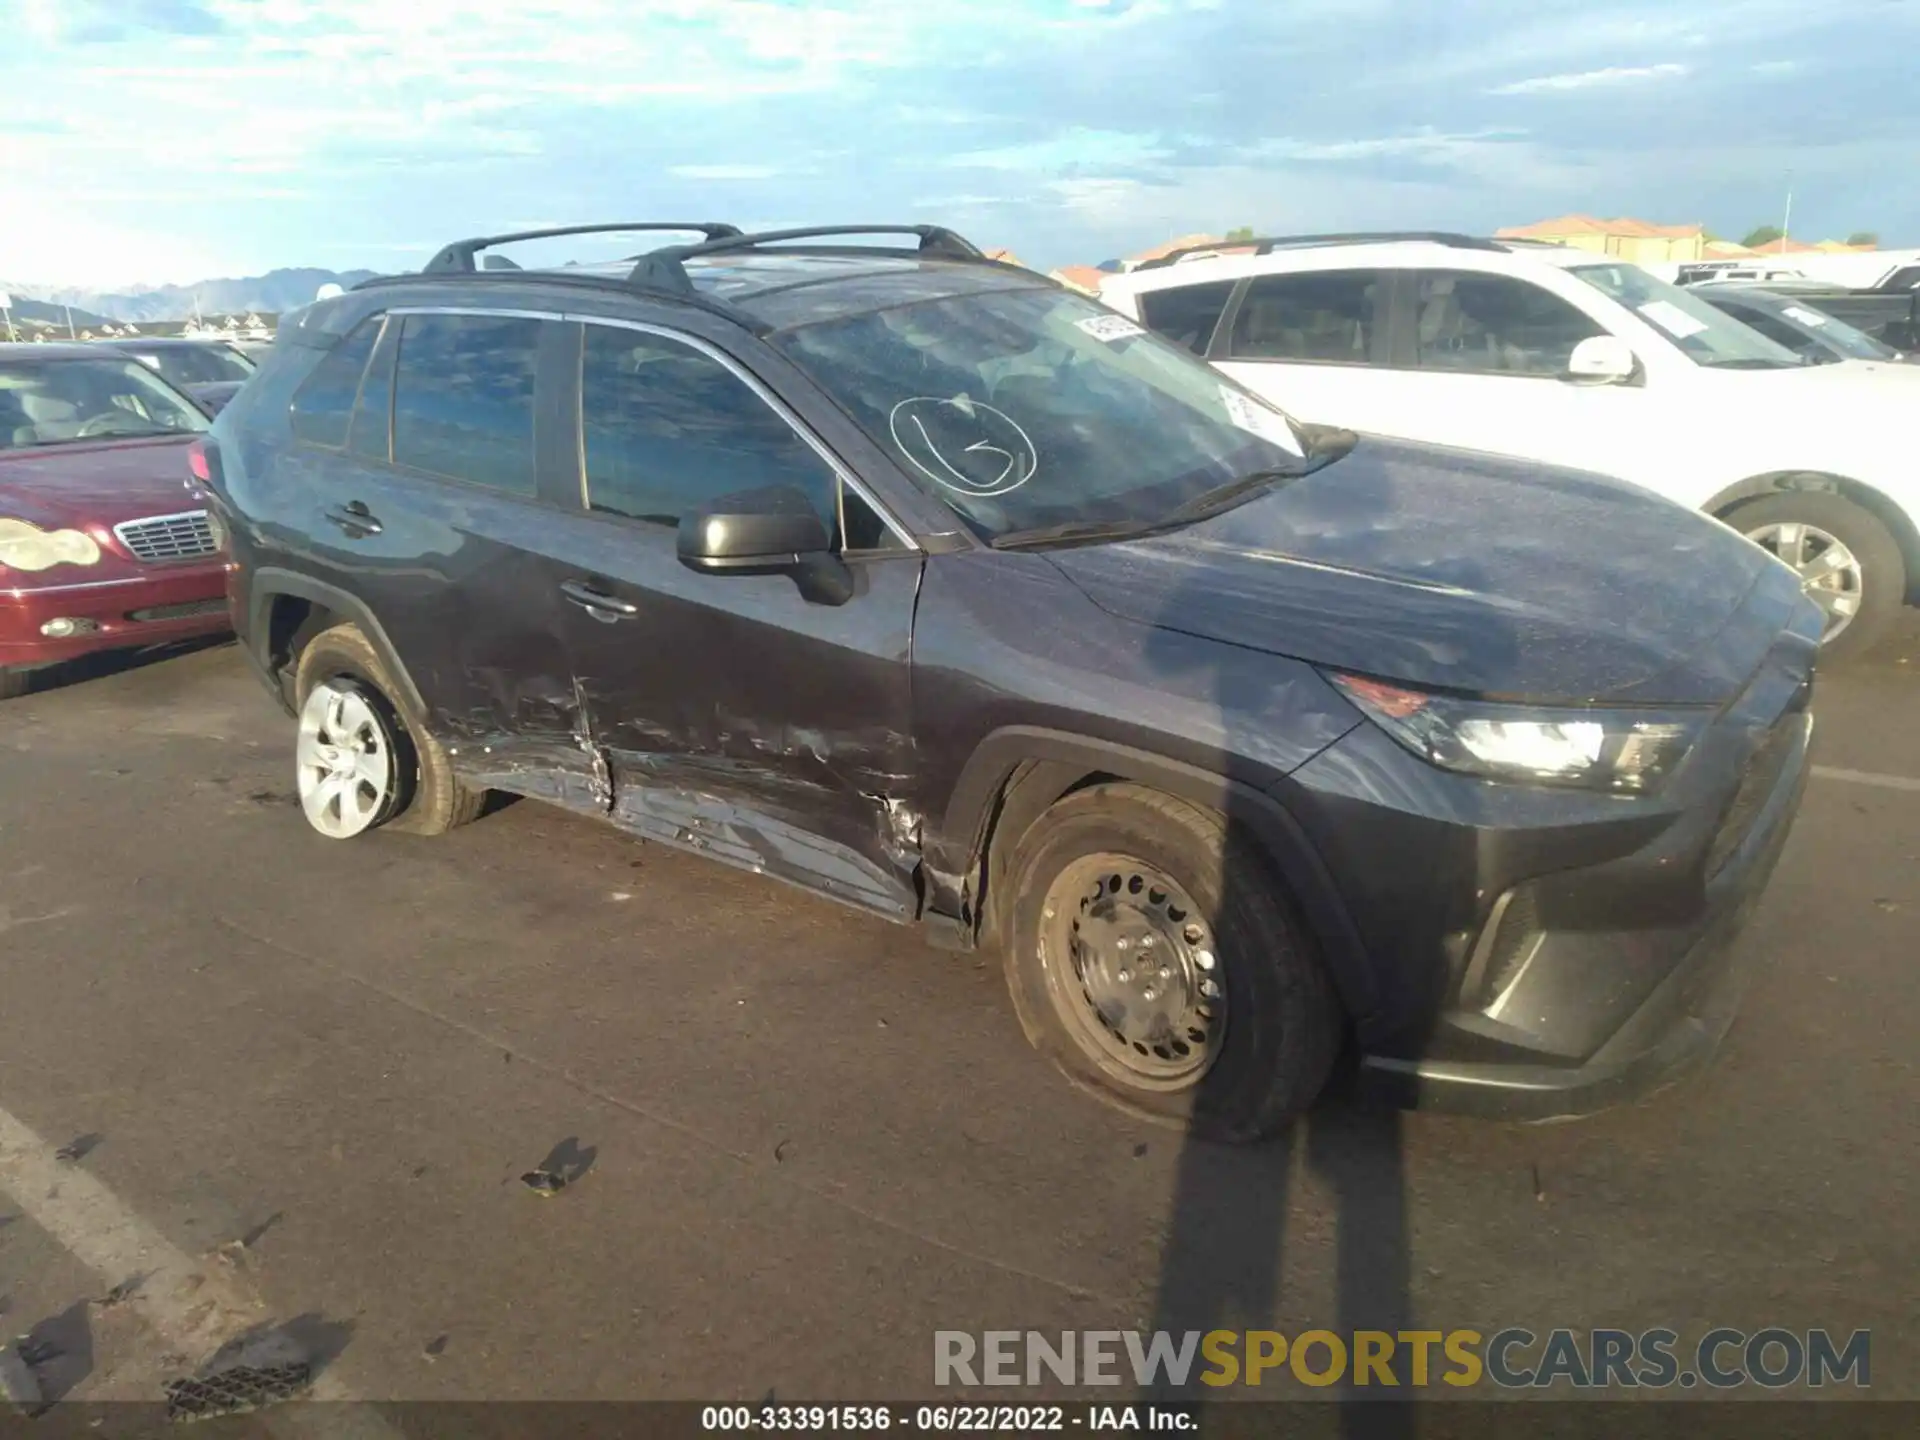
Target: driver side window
x,y
1480,324
667,429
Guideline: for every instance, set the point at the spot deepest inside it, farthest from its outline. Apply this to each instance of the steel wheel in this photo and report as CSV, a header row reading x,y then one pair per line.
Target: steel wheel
x,y
1830,573
345,761
1132,970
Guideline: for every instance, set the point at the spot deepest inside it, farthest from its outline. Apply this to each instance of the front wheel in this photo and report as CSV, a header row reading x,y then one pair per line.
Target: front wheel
x,y
1848,562
1157,963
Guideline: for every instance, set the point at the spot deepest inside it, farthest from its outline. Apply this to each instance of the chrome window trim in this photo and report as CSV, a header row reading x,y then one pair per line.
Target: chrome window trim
x,y
706,347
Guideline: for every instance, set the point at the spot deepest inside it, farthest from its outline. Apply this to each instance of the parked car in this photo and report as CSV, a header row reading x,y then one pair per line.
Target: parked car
x,y
1888,309
923,583
1798,324
102,544
1552,354
211,371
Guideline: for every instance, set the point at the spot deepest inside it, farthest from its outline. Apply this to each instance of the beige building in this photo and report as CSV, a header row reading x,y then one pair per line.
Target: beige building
x,y
1635,240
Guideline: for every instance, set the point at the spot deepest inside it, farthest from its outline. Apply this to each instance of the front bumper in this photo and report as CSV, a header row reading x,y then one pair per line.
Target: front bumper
x,y
1675,1029
1535,953
176,602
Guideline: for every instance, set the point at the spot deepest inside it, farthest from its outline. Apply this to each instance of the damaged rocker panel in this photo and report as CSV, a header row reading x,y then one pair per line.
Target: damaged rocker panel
x,y
746,815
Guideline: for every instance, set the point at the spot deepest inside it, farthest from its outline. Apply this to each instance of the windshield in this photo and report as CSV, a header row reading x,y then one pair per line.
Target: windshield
x,y
56,402
1834,333
196,364
1026,409
1703,334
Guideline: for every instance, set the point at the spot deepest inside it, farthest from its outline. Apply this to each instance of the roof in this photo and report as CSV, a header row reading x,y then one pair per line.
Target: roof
x,y
1591,225
47,350
159,342
1410,250
1185,242
765,288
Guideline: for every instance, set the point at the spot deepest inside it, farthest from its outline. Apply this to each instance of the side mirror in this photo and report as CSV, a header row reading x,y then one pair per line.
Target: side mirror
x,y
1602,360
757,532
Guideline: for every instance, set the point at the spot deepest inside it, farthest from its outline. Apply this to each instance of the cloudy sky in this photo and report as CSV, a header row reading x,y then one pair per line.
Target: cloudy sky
x,y
172,140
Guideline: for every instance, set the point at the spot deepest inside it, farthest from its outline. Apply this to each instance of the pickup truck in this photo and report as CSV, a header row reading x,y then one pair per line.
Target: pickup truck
x,y
1888,310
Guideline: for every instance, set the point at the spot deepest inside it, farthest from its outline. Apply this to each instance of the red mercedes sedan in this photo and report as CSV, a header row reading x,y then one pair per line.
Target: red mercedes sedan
x,y
104,541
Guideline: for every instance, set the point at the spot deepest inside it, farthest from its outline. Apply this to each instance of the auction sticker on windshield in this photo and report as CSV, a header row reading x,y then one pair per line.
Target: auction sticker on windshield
x,y
1110,327
1671,318
1256,419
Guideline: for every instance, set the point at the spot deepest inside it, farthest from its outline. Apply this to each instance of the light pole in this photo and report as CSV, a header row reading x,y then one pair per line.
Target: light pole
x,y
1786,223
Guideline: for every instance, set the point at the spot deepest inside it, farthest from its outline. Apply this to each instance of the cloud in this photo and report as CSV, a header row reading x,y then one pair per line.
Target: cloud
x,y
244,134
723,172
1587,79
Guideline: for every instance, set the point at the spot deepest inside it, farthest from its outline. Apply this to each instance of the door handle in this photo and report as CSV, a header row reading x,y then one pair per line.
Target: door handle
x,y
355,519
598,603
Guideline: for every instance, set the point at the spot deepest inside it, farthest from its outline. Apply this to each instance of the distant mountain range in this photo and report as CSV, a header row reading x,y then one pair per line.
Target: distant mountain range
x,y
271,294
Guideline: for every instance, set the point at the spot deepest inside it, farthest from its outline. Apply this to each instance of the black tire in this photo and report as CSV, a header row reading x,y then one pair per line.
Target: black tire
x,y
1883,569
14,683
432,800
1283,1028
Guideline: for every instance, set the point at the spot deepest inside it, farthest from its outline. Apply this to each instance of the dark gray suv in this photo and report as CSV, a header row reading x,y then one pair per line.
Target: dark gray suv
x,y
919,581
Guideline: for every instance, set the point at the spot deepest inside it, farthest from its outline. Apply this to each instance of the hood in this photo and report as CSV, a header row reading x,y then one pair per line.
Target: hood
x,y
1449,569
96,483
213,395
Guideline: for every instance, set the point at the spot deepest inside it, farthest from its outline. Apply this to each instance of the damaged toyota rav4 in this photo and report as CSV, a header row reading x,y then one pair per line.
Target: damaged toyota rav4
x,y
918,581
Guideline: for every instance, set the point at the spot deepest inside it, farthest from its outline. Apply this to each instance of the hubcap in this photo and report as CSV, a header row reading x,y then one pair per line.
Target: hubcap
x,y
1132,969
1830,573
345,761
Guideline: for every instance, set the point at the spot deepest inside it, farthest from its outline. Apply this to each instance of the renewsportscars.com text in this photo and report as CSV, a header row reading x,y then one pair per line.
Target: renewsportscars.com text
x,y
1513,1358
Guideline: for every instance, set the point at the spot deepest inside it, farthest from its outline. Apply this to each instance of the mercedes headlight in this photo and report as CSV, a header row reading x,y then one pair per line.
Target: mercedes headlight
x,y
28,547
1625,751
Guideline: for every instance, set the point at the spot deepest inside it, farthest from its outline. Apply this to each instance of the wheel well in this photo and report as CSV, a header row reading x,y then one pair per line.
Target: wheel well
x,y
291,622
1032,787
1899,524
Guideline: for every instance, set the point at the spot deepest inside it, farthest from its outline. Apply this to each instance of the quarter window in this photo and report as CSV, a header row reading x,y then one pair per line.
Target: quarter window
x,y
1187,314
323,404
1320,316
463,399
1494,325
669,430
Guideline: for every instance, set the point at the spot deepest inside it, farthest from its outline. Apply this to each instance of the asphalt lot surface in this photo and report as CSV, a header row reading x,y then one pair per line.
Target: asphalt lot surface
x,y
814,1140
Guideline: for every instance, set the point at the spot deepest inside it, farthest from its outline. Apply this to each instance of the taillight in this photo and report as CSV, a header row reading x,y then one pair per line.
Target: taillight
x,y
197,463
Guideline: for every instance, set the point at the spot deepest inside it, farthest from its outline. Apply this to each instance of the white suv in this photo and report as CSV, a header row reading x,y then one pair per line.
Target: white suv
x,y
1559,355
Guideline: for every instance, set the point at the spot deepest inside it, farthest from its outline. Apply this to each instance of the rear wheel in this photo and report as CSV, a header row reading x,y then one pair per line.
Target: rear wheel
x,y
361,761
1159,966
1848,562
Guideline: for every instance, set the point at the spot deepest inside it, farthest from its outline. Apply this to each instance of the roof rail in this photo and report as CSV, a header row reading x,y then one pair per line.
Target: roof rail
x,y
459,256
1266,244
664,269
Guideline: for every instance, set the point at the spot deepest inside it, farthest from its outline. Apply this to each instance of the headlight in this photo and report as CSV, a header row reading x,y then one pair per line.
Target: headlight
x,y
1625,751
28,547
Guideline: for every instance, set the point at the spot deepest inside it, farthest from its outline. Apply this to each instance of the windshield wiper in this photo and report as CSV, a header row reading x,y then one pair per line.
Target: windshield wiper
x,y
1203,506
1072,530
1241,488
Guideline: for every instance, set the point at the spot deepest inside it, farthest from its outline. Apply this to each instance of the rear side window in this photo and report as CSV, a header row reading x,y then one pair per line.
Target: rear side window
x,y
323,404
463,399
1495,325
1324,316
1187,314
668,429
